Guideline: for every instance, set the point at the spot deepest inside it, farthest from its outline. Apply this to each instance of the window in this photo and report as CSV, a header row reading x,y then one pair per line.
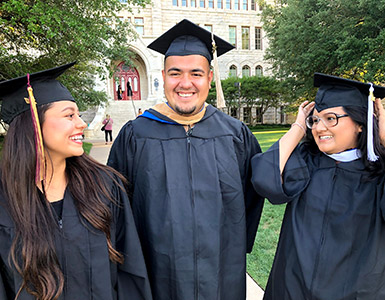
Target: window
x,y
258,114
220,3
282,114
228,4
245,71
193,3
184,3
258,38
234,112
253,6
233,71
208,27
244,5
202,3
175,2
246,38
247,115
258,71
139,25
211,3
236,4
233,35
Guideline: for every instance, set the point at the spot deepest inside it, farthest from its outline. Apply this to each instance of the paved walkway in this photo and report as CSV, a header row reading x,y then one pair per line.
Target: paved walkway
x,y
100,151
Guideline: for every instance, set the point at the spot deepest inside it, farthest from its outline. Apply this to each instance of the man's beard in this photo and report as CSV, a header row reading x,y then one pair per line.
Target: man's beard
x,y
185,111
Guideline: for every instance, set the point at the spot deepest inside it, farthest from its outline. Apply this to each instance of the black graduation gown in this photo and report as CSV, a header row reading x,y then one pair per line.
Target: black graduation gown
x,y
83,256
193,202
332,241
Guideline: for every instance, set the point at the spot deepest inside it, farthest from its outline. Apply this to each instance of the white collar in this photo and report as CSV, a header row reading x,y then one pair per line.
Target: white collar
x,y
346,156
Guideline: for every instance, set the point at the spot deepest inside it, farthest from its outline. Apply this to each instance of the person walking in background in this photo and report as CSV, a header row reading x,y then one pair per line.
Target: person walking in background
x,y
332,241
107,122
139,111
66,226
119,92
193,202
129,90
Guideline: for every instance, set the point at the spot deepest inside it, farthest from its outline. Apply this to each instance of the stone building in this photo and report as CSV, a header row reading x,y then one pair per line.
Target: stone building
x,y
237,21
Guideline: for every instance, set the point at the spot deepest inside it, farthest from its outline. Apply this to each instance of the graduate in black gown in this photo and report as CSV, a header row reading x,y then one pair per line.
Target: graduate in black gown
x,y
332,241
189,163
66,226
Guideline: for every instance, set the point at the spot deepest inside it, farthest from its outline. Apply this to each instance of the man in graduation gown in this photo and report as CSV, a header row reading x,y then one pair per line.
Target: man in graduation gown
x,y
189,167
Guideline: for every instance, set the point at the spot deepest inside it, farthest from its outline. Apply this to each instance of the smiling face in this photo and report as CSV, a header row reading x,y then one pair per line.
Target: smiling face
x,y
62,130
335,139
187,82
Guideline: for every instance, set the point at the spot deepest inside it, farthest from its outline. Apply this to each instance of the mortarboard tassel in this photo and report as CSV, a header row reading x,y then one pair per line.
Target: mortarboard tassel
x,y
371,154
40,158
220,97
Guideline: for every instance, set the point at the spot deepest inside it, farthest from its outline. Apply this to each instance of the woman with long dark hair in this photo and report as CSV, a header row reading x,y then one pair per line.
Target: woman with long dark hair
x,y
66,227
332,241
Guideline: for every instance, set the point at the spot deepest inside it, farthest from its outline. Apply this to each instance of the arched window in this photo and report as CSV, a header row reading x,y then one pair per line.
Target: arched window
x,y
245,71
233,71
258,71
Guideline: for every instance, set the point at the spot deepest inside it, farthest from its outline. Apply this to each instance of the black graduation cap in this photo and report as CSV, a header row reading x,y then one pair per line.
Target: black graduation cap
x,y
336,91
187,38
46,89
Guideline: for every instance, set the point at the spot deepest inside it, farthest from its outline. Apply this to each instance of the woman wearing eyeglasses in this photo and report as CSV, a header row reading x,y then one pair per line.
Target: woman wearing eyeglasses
x,y
332,241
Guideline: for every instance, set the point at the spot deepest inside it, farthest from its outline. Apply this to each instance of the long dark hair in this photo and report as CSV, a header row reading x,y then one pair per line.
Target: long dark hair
x,y
33,249
359,116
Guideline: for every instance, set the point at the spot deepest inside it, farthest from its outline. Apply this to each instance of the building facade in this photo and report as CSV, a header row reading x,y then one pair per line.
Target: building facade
x,y
236,21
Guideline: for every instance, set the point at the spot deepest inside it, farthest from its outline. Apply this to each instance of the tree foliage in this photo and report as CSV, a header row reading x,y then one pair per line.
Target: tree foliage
x,y
38,34
339,37
255,91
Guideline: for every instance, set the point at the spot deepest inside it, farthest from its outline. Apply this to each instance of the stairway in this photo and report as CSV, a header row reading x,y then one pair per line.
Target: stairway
x,y
120,111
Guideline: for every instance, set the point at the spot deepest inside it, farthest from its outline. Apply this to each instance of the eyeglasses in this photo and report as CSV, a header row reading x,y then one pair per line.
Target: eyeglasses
x,y
329,120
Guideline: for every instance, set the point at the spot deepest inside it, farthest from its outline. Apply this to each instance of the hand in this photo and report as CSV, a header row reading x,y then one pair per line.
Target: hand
x,y
380,111
303,111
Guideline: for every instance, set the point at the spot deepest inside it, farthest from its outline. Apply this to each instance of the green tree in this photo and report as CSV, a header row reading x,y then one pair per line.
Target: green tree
x,y
255,91
37,35
338,37
261,91
230,92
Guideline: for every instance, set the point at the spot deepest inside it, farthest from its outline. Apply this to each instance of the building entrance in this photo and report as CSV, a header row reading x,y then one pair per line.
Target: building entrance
x,y
129,81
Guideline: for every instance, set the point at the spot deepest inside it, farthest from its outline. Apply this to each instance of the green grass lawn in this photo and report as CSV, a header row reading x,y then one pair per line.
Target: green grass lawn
x,y
259,261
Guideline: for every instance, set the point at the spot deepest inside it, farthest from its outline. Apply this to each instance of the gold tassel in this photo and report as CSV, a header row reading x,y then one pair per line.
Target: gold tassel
x,y
40,156
220,97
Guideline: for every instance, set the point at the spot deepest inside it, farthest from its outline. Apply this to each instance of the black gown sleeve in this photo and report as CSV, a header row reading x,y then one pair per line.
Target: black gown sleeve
x,y
253,201
7,281
132,279
122,152
382,202
267,178
3,294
